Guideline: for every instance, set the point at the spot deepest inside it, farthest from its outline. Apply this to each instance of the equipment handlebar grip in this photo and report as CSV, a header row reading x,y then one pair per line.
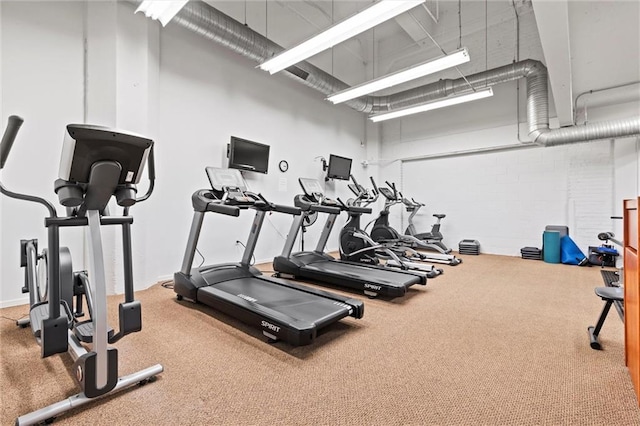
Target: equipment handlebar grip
x,y
287,209
375,187
152,165
325,209
13,125
392,186
223,209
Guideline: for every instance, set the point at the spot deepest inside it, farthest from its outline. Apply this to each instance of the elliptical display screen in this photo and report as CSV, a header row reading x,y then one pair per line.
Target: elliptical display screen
x,y
85,144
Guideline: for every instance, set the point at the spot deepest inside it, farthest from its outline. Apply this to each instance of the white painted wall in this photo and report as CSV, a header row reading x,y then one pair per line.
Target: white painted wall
x,y
505,199
41,57
189,95
208,94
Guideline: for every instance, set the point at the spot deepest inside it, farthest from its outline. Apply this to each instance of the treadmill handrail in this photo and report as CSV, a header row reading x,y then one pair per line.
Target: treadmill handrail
x,y
295,211
325,209
224,209
203,200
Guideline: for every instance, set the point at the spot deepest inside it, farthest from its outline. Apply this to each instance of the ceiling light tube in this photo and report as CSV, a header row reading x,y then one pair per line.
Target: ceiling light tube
x,y
368,18
441,103
429,67
163,11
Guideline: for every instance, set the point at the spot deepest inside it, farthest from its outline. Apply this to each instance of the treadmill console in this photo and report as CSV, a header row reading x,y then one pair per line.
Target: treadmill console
x,y
229,186
313,190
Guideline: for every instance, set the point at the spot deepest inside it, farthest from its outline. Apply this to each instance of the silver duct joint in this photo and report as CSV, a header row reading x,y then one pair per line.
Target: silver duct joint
x,y
588,132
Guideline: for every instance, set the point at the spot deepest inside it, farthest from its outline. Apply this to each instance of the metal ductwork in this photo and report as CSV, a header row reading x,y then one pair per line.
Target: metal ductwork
x,y
209,22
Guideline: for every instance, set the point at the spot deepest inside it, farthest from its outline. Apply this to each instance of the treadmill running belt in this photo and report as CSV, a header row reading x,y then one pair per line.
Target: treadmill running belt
x,y
295,304
363,273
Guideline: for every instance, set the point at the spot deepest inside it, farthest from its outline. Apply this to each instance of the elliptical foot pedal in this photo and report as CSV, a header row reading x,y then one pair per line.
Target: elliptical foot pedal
x,y
84,331
37,314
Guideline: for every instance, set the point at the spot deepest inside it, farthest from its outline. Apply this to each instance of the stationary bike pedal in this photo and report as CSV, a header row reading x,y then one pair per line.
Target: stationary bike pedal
x,y
84,331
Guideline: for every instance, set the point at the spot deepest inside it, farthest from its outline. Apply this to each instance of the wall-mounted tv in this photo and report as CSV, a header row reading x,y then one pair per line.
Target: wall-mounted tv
x,y
248,155
339,167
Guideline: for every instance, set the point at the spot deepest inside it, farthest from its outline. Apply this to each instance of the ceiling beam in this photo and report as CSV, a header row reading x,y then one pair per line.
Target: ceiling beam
x,y
552,18
414,23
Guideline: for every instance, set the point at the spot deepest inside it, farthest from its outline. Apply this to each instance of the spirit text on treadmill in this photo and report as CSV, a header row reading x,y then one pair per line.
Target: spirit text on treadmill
x,y
270,326
372,286
249,298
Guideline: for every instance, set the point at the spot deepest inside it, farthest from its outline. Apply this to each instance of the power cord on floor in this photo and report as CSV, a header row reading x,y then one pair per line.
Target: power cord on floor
x,y
167,284
13,319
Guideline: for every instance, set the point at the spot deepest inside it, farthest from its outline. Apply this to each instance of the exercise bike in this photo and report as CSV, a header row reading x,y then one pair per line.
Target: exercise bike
x,y
97,163
433,239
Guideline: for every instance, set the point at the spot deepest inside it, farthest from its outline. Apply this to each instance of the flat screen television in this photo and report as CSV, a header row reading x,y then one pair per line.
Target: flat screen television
x,y
248,155
339,167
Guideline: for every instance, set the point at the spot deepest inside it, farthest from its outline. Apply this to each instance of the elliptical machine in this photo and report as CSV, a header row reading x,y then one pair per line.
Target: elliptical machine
x,y
97,163
357,246
383,232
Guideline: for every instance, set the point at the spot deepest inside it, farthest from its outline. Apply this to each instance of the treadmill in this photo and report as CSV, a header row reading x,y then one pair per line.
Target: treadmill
x,y
318,266
283,310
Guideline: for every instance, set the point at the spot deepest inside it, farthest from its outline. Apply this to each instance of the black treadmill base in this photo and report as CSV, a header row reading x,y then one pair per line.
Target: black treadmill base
x,y
282,310
371,282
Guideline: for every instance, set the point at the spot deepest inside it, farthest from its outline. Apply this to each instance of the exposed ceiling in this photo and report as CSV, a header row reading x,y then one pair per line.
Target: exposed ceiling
x,y
586,45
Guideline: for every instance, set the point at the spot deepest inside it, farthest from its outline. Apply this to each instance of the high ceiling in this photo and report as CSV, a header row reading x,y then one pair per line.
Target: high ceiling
x,y
586,45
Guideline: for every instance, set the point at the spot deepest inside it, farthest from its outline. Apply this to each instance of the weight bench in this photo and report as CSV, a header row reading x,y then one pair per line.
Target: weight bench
x,y
610,295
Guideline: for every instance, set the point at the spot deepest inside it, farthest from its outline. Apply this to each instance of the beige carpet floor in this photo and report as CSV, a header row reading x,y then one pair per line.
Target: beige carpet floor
x,y
495,341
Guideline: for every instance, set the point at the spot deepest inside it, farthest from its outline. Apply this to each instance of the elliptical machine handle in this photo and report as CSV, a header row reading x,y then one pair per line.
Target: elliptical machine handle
x,y
392,186
10,133
151,174
375,187
152,164
344,206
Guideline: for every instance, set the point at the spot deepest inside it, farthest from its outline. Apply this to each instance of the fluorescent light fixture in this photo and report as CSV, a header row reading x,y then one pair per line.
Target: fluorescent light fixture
x,y
432,66
375,14
161,10
441,103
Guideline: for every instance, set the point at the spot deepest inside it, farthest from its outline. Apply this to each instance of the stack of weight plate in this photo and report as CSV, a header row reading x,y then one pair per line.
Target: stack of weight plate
x,y
469,247
533,253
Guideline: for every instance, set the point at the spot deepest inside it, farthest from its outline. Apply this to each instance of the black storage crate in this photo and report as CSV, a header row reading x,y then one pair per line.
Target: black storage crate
x,y
469,247
533,253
